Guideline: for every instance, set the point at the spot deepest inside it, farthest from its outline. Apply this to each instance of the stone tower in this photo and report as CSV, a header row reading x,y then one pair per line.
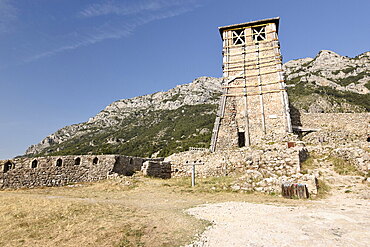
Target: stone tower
x,y
254,106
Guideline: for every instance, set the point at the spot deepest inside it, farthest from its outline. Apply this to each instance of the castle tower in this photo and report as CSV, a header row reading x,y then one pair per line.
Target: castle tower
x,y
254,106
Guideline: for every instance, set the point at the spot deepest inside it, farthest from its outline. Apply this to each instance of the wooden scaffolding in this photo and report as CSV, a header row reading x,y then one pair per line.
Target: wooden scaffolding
x,y
254,102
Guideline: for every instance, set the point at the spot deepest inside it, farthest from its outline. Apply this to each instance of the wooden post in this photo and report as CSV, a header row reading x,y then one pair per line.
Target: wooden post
x,y
193,176
193,164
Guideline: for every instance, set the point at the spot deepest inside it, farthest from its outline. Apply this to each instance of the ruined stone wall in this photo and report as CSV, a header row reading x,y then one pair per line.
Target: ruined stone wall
x,y
157,169
263,169
62,170
335,128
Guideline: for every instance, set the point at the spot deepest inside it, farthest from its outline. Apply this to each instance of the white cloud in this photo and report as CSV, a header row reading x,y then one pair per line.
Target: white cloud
x,y
115,30
8,15
128,8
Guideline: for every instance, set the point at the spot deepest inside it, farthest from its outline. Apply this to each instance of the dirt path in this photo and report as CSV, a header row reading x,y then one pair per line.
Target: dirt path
x,y
341,220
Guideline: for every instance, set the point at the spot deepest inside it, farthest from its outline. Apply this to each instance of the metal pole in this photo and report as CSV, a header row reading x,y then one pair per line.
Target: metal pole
x,y
193,176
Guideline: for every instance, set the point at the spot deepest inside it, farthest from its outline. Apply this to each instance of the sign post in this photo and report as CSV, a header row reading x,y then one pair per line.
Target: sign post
x,y
193,164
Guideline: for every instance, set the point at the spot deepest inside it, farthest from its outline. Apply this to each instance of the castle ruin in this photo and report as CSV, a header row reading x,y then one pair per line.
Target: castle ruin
x,y
64,170
253,111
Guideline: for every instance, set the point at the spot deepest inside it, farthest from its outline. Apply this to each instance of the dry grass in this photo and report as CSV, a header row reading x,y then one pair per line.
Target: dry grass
x,y
323,189
311,162
123,212
344,167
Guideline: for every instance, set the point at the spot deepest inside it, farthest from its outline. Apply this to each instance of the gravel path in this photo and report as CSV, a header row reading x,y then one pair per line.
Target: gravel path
x,y
337,221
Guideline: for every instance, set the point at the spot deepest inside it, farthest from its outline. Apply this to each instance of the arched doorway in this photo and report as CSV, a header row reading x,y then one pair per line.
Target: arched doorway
x,y
59,162
34,164
95,161
8,166
77,161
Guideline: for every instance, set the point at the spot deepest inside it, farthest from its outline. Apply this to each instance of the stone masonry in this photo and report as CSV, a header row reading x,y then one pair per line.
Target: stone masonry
x,y
260,169
335,128
158,169
63,170
254,105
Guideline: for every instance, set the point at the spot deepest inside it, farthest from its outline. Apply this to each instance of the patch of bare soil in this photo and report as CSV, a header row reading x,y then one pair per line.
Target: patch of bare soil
x,y
342,219
123,212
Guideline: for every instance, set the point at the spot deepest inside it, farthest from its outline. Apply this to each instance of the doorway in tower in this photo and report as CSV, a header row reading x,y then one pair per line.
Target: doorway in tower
x,y
241,139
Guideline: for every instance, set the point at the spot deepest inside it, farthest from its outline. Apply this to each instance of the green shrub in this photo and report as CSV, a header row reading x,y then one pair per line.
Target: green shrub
x,y
167,131
352,79
367,85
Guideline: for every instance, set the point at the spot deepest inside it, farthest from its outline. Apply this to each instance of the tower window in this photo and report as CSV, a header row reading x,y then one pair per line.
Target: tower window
x,y
238,37
241,139
259,33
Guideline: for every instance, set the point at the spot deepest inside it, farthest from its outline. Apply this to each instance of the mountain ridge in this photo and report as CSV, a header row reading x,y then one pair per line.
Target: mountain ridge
x,y
327,83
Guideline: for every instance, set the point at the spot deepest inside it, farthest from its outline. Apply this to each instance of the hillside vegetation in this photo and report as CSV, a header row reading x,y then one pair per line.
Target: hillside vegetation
x,y
162,132
163,123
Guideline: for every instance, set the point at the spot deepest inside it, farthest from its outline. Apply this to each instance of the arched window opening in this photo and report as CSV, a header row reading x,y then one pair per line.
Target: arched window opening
x,y
34,164
8,166
59,163
77,161
131,161
95,161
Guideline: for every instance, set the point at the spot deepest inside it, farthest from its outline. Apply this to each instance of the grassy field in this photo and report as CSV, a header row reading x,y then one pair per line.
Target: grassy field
x,y
133,211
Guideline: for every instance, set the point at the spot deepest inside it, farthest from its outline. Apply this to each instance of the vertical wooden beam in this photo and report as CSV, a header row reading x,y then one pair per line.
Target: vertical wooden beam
x,y
221,111
284,94
260,91
247,134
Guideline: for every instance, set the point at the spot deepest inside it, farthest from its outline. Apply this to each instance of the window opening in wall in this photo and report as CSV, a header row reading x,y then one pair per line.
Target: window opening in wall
x,y
131,161
77,161
59,163
241,139
238,37
34,164
259,33
8,166
95,161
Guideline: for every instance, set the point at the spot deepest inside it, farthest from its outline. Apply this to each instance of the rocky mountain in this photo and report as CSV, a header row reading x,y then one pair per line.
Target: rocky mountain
x,y
329,83
143,125
166,122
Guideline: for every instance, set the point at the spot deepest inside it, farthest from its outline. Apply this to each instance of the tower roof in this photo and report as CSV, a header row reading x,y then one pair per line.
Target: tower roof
x,y
251,23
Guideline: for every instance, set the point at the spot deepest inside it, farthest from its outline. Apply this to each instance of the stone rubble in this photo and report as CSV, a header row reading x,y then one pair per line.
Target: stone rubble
x,y
264,168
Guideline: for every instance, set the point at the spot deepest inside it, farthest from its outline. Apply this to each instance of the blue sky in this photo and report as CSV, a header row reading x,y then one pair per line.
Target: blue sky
x,y
63,61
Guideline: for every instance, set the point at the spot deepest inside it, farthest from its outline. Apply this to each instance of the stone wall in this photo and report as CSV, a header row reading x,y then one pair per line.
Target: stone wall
x,y
157,169
62,170
336,128
355,155
262,169
341,135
